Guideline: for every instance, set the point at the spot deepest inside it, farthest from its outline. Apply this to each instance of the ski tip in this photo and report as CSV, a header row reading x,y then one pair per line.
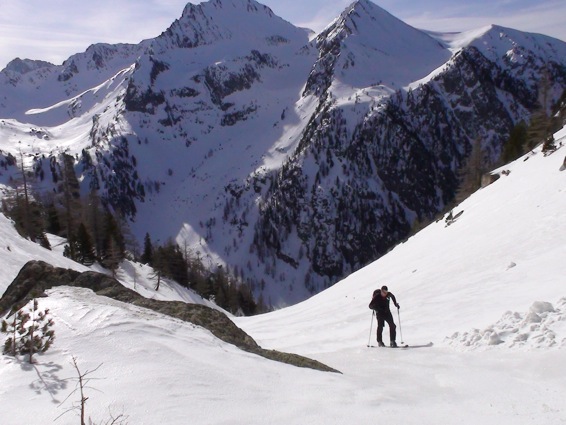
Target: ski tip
x,y
430,344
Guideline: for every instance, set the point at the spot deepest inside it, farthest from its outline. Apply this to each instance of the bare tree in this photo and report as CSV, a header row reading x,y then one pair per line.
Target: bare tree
x,y
83,379
540,128
71,201
26,207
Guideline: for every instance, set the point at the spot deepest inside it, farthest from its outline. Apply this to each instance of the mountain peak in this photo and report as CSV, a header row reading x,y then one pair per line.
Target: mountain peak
x,y
366,45
23,66
360,10
222,20
226,5
497,42
365,5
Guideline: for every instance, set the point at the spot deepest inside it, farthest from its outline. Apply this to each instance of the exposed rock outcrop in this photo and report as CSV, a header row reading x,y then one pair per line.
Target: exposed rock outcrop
x,y
37,276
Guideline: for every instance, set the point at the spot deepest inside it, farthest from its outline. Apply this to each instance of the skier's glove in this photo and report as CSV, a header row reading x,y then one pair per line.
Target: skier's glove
x,y
398,306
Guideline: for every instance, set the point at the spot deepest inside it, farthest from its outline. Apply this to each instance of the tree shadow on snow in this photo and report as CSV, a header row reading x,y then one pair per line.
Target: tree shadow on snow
x,y
48,379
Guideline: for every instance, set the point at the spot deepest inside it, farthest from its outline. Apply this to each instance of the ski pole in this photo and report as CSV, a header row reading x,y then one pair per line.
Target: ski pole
x,y
370,326
400,328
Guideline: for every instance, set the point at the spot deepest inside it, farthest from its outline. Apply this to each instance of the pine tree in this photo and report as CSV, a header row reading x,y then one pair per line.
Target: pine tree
x,y
10,346
84,249
30,332
27,212
175,265
157,265
114,255
168,261
147,255
515,145
196,272
260,306
114,246
71,201
471,172
540,127
204,286
26,209
131,245
246,300
94,217
53,225
39,335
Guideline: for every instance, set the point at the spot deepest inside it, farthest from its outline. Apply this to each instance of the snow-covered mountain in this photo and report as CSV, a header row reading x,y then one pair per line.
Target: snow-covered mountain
x,y
293,162
367,47
487,290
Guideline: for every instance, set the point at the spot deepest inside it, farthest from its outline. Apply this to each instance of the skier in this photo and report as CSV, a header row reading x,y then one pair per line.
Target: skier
x,y
380,304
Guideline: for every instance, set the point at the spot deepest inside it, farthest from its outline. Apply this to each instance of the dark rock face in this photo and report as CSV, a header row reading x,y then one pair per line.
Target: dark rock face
x,y
222,83
37,276
146,101
32,280
69,72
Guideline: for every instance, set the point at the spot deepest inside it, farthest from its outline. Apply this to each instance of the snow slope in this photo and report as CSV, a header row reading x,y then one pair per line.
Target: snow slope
x,y
41,85
503,254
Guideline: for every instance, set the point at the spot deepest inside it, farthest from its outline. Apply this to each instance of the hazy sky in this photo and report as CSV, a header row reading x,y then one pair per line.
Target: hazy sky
x,y
53,30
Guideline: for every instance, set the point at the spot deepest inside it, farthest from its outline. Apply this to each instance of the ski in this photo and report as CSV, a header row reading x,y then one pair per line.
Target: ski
x,y
387,346
430,344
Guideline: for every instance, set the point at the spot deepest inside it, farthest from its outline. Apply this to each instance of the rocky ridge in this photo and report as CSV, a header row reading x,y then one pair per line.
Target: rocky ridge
x,y
37,276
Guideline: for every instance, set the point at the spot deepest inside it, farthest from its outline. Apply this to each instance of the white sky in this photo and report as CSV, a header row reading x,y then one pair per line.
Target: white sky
x,y
53,30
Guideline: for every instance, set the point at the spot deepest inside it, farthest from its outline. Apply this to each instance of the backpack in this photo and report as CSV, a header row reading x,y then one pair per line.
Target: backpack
x,y
373,304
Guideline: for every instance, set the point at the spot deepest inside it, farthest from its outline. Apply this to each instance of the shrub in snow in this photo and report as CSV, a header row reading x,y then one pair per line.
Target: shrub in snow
x,y
12,329
29,332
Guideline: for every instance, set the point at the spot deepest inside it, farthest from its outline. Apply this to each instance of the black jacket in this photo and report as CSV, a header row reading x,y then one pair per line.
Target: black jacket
x,y
381,304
